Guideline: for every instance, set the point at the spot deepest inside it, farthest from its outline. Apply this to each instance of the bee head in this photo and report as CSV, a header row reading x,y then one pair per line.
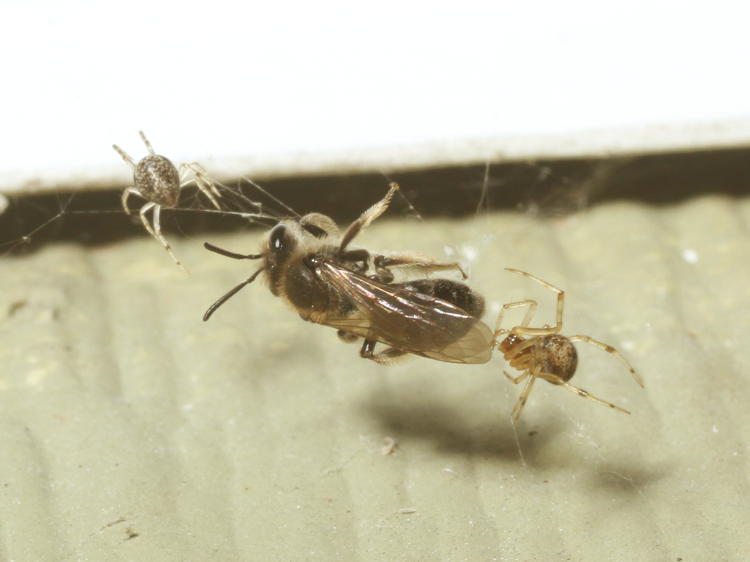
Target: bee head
x,y
278,250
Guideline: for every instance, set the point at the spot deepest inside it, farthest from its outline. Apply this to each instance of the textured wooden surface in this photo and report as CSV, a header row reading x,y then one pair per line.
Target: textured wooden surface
x,y
131,430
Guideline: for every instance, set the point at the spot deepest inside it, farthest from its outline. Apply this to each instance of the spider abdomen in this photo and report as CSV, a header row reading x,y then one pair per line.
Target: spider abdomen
x,y
158,180
557,355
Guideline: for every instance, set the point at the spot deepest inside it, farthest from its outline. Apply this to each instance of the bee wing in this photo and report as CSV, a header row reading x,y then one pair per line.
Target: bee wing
x,y
408,320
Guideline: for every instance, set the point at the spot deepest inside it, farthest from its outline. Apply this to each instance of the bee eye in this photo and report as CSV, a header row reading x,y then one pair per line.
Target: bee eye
x,y
277,238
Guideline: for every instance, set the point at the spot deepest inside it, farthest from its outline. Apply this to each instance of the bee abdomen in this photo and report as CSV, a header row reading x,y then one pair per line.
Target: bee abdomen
x,y
451,291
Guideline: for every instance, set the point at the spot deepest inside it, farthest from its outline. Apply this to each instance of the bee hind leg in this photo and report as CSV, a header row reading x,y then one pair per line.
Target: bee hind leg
x,y
385,357
347,337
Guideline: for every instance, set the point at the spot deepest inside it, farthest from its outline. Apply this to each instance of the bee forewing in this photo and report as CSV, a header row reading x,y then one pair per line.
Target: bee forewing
x,y
408,320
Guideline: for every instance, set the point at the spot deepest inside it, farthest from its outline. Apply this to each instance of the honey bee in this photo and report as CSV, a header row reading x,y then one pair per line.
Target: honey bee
x,y
308,263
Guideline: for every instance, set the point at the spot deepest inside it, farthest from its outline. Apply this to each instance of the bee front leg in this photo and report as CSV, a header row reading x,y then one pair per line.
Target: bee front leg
x,y
367,217
360,259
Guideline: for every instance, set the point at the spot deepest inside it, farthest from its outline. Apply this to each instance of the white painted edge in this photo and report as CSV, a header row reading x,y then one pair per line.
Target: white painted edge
x,y
601,143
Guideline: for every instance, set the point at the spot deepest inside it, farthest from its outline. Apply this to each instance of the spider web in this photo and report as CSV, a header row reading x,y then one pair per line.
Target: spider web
x,y
29,222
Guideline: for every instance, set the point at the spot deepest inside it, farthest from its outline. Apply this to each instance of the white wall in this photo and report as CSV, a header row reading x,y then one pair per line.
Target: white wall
x,y
216,78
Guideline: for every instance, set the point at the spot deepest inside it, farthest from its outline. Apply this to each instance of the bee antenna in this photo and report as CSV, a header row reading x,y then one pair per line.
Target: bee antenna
x,y
229,254
230,294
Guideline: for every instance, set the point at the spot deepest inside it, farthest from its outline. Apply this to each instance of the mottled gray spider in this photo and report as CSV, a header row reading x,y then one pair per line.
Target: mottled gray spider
x,y
158,181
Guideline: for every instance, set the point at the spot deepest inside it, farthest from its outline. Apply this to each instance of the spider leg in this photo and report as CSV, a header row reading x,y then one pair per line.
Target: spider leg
x,y
515,415
554,379
124,155
523,330
516,380
612,350
201,171
155,231
511,305
147,143
127,193
201,179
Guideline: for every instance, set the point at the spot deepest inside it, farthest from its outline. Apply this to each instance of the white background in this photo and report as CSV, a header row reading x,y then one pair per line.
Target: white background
x,y
220,78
